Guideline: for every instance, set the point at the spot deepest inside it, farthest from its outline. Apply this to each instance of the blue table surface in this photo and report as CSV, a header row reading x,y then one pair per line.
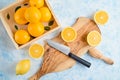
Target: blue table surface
x,y
67,11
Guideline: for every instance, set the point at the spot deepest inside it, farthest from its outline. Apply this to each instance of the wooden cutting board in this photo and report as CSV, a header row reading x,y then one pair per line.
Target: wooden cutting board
x,y
55,61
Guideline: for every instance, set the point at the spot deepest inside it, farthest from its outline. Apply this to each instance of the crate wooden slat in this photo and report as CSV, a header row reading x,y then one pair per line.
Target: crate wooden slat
x,y
9,24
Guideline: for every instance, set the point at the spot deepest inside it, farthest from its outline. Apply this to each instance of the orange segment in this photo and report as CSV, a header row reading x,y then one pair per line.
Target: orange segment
x,y
101,17
36,51
68,34
93,38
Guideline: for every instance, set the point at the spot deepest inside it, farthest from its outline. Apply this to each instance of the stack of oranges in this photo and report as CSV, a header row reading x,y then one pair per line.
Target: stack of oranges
x,y
34,15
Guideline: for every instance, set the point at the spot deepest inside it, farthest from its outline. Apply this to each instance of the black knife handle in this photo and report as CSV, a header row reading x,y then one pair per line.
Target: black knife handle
x,y
80,60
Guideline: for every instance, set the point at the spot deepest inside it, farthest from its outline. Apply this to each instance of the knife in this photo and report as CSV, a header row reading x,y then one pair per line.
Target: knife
x,y
66,50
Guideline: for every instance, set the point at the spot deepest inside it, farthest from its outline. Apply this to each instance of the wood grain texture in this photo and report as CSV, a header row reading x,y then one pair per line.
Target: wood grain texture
x,y
97,54
55,61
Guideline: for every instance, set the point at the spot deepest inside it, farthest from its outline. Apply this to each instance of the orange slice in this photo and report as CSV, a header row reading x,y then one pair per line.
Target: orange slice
x,y
36,51
101,17
94,38
68,34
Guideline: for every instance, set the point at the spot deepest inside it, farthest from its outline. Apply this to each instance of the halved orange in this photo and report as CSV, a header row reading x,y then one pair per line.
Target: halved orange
x,y
36,51
68,34
94,38
101,17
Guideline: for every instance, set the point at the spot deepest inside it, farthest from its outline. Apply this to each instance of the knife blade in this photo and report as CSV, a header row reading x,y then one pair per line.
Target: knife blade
x,y
66,50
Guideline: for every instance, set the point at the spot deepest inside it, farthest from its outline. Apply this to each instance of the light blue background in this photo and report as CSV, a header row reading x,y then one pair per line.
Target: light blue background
x,y
67,11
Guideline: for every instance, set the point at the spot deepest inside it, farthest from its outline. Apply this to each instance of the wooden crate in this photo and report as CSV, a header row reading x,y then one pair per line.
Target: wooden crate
x,y
9,24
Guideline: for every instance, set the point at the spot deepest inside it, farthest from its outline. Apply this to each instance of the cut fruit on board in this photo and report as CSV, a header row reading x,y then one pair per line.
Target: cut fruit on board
x,y
55,61
68,34
94,38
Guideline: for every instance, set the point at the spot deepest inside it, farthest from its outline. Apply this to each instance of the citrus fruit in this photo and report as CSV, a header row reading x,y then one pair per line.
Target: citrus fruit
x,y
45,14
68,34
32,14
36,29
36,3
23,67
19,16
101,17
94,38
22,36
36,51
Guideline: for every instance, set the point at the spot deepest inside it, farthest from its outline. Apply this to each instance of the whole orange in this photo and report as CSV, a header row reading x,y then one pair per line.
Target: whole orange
x,y
32,14
36,3
45,14
36,29
22,36
19,16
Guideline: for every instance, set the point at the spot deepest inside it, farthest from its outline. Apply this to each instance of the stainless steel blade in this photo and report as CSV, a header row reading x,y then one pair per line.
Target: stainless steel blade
x,y
64,49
